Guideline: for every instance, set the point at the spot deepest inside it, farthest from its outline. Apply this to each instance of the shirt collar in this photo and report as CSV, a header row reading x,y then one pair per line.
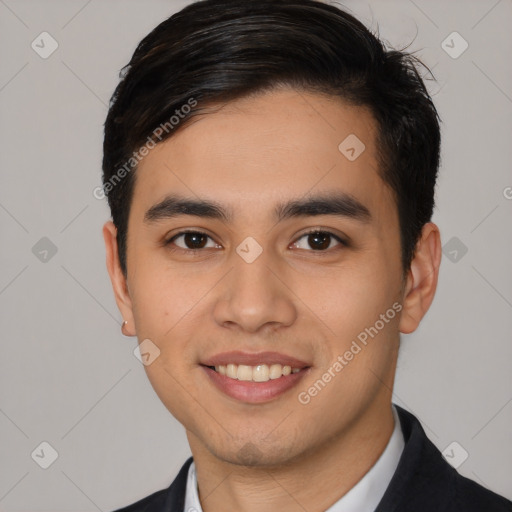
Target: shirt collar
x,y
364,496
367,493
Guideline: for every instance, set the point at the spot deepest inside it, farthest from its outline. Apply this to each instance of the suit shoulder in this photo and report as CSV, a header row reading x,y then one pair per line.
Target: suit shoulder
x,y
470,495
152,503
424,481
165,500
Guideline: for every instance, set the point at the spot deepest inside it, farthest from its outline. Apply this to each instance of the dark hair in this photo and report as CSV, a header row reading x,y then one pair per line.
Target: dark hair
x,y
214,51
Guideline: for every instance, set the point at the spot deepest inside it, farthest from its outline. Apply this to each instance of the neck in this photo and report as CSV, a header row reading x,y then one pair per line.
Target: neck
x,y
312,481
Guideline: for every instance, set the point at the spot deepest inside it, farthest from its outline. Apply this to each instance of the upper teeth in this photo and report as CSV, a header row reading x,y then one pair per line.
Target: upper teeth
x,y
258,373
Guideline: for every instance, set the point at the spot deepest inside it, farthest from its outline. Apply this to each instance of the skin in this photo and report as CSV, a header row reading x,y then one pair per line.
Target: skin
x,y
249,155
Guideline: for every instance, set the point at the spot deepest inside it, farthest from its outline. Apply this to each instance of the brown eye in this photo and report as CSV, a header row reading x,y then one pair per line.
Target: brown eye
x,y
191,240
319,241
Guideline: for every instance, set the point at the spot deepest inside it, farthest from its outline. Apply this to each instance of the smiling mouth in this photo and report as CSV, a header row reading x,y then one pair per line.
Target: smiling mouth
x,y
257,373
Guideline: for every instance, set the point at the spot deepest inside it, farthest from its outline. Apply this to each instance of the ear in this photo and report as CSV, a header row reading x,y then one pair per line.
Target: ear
x,y
119,282
422,279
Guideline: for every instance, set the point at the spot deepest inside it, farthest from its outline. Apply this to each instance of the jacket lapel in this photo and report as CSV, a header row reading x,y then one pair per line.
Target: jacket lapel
x,y
175,500
423,481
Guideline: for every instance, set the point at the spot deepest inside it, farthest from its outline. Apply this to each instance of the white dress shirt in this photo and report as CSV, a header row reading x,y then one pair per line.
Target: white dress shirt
x,y
363,497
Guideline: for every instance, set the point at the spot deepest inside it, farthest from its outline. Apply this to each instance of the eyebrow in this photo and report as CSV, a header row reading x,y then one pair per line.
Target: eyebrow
x,y
338,204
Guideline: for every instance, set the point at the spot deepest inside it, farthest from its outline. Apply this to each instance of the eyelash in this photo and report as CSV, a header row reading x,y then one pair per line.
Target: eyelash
x,y
320,253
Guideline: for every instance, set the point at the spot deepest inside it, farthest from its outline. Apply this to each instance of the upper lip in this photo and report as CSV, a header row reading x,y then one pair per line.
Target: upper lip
x,y
253,359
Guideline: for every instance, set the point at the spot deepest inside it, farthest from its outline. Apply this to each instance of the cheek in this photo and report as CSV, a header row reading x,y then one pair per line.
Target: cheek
x,y
360,356
170,385
169,309
350,300
162,300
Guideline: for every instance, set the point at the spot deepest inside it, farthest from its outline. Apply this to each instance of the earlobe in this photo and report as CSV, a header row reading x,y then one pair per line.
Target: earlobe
x,y
117,278
422,279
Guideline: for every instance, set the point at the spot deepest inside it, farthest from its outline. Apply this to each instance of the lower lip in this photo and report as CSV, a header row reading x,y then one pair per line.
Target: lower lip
x,y
254,392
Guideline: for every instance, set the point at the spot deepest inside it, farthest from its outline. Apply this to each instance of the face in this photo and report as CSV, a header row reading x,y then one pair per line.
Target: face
x,y
276,307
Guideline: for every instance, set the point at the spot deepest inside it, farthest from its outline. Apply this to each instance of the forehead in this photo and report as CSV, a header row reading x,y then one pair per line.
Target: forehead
x,y
252,153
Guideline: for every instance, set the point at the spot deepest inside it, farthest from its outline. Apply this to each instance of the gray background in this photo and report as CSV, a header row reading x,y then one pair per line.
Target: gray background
x,y
68,376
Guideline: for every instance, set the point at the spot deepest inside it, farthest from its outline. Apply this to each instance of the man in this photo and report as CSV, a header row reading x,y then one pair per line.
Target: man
x,y
270,169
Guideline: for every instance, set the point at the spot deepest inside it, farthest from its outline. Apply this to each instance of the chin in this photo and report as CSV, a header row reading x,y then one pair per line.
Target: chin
x,y
255,454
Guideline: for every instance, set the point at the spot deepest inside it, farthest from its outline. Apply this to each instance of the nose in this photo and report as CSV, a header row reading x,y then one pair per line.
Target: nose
x,y
255,296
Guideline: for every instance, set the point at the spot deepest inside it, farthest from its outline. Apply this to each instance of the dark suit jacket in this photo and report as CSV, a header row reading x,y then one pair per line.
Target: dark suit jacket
x,y
423,482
